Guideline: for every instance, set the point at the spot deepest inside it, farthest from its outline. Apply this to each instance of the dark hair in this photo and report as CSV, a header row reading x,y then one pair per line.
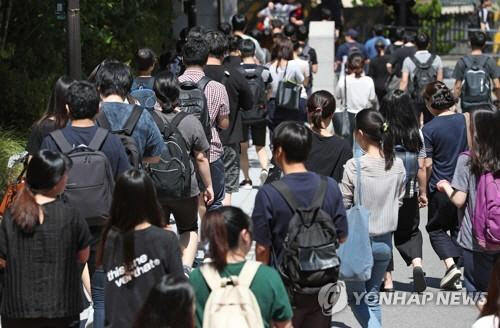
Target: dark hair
x,y
134,200
294,139
492,305
302,33
409,37
239,22
378,29
485,155
398,112
399,33
356,63
477,39
195,52
282,49
320,106
166,88
83,100
422,41
374,127
144,59
247,48
57,103
226,28
170,304
439,95
45,170
114,78
276,23
221,229
379,46
325,14
196,32
289,30
257,34
234,43
217,44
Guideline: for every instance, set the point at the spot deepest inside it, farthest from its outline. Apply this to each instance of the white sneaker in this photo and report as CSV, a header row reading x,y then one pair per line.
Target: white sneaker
x,y
263,176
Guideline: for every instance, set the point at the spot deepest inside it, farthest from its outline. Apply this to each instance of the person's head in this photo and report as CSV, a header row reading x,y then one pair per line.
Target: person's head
x,y
114,78
396,107
217,44
82,100
46,174
422,41
351,35
170,304
282,49
234,45
380,46
438,97
276,26
320,109
356,63
289,30
399,34
486,3
247,48
239,22
492,305
56,108
485,133
166,88
291,143
145,60
477,40
226,28
302,33
372,129
195,52
325,14
257,34
227,230
409,37
196,32
378,30
134,202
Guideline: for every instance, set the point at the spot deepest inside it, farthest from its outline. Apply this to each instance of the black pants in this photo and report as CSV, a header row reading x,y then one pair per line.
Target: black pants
x,y
308,313
477,270
407,237
185,212
443,218
68,322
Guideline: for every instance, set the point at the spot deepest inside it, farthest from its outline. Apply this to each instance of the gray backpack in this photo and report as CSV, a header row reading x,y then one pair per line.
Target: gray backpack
x,y
476,89
424,74
90,179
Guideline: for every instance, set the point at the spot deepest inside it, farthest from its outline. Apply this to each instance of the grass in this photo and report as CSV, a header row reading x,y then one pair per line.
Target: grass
x,y
10,143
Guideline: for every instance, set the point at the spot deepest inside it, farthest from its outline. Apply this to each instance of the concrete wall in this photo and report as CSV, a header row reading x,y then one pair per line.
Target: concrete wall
x,y
322,38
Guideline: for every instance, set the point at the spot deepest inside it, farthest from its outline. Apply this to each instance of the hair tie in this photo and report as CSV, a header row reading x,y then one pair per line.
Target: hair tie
x,y
318,110
385,127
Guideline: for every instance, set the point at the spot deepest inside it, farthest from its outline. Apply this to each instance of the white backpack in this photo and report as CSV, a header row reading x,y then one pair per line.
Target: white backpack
x,y
231,302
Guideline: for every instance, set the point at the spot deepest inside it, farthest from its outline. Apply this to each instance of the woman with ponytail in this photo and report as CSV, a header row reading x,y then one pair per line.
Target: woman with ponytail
x,y
185,211
42,243
228,233
329,153
135,251
382,192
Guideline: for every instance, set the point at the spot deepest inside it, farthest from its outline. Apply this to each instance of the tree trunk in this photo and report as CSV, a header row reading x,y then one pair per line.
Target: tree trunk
x,y
5,23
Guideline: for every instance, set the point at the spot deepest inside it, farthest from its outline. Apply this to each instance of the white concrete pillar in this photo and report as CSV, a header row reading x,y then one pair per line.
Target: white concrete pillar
x,y
322,38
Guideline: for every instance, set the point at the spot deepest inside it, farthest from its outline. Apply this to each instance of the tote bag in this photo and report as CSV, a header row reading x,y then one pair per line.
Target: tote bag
x,y
341,120
356,253
288,94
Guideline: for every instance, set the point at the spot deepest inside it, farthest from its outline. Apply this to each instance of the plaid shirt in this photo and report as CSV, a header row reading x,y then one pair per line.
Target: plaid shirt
x,y
218,106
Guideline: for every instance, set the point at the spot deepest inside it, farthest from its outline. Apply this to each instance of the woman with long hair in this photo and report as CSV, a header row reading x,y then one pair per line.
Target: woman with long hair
x,y
55,117
43,246
228,233
383,189
170,304
409,143
490,313
483,157
135,251
329,153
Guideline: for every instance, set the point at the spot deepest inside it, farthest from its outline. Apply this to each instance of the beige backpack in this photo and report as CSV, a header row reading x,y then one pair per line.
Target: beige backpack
x,y
231,302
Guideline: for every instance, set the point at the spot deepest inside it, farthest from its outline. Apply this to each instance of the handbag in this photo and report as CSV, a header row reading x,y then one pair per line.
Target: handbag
x,y
15,186
341,120
288,94
356,253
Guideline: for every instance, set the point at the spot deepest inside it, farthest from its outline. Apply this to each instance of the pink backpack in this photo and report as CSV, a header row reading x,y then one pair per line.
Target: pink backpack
x,y
486,219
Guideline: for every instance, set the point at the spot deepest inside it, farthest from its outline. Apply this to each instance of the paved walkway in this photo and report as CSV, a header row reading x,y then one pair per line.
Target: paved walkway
x,y
398,316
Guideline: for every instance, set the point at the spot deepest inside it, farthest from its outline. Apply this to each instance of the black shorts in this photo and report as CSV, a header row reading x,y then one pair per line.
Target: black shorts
x,y
185,212
258,133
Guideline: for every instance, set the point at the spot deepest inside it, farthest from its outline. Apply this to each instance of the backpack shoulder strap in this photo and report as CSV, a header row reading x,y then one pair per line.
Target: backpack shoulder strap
x,y
202,83
132,120
468,62
160,123
482,61
102,120
98,139
211,276
247,273
414,60
285,192
319,198
430,60
61,141
178,118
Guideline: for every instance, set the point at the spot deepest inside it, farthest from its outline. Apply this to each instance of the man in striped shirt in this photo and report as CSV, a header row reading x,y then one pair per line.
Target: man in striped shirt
x,y
195,55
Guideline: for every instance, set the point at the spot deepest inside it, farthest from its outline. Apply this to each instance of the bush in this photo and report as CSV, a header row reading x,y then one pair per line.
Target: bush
x,y
10,144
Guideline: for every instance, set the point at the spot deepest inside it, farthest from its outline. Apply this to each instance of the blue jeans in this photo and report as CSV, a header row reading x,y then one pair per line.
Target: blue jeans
x,y
218,183
97,288
368,311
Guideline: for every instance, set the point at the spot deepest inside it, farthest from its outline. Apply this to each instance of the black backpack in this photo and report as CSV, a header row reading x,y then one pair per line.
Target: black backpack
x,y
476,88
192,100
125,134
424,74
172,175
410,162
90,180
258,113
309,258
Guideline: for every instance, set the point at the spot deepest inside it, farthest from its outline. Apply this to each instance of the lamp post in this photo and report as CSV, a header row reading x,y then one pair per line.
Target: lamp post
x,y
74,46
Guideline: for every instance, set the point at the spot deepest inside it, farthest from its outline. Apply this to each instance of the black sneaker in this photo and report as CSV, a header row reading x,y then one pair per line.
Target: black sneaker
x,y
419,284
450,278
246,184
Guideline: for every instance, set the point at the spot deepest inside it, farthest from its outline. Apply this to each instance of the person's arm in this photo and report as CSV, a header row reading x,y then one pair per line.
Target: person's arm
x,y
218,100
439,76
86,280
261,216
154,141
204,169
405,73
83,255
347,184
457,88
151,160
314,68
223,121
422,183
496,88
389,68
373,96
458,198
262,253
404,81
